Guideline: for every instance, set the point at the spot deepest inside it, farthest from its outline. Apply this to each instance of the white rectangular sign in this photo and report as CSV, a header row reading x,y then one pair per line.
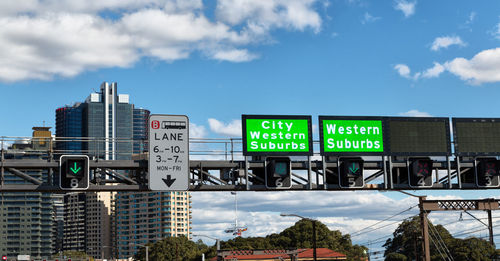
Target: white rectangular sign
x,y
168,152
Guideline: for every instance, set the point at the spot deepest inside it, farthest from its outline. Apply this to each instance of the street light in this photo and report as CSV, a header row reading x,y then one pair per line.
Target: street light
x,y
147,249
102,250
314,229
217,241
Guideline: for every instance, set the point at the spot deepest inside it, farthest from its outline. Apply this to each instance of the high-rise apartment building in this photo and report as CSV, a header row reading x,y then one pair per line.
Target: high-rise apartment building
x,y
74,235
148,217
26,218
87,219
58,222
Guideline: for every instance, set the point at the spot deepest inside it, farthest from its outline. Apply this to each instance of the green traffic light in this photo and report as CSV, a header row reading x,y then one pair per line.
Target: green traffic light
x,y
75,169
353,169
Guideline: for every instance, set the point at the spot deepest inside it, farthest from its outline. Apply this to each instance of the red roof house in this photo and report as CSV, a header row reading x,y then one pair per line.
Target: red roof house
x,y
324,254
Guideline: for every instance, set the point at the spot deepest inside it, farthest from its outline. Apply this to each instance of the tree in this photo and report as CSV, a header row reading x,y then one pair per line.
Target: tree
x,y
395,257
300,236
173,248
407,241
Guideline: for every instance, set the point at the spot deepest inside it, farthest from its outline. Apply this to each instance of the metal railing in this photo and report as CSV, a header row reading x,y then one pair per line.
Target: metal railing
x,y
116,148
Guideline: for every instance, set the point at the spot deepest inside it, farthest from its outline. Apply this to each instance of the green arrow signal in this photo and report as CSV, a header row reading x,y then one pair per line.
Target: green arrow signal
x,y
75,169
353,169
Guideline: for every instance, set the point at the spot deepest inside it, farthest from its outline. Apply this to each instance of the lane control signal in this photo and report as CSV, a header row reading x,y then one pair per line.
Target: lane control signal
x,y
74,172
278,172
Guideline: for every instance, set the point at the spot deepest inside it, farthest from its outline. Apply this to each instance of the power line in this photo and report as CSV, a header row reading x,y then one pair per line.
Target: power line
x,y
386,225
466,232
357,233
439,239
376,240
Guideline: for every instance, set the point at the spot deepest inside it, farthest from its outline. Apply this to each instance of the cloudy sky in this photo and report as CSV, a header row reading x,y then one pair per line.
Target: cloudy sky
x,y
216,60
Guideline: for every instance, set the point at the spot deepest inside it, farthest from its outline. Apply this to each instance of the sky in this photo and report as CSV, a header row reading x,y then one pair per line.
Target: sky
x,y
216,60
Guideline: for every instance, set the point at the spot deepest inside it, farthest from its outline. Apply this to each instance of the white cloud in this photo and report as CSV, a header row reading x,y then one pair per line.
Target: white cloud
x,y
368,18
434,71
403,70
496,32
234,55
344,211
197,131
43,39
60,44
407,7
472,16
484,67
232,129
292,14
415,113
445,42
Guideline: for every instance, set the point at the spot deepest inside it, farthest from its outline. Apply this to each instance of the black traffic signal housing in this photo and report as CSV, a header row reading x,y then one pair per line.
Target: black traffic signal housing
x,y
351,173
74,172
278,172
420,172
487,172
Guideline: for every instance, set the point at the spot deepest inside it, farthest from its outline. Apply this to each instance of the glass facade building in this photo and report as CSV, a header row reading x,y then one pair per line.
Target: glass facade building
x,y
104,120
140,122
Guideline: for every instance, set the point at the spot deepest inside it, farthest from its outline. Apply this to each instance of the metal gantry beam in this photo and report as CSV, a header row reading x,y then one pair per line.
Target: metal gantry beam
x,y
243,175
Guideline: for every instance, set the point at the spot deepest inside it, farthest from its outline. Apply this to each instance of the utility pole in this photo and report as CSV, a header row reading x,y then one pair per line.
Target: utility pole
x,y
425,229
454,205
314,239
490,227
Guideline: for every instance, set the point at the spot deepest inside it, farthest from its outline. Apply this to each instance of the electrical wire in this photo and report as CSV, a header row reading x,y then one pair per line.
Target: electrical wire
x,y
357,233
481,228
434,243
431,237
386,225
440,240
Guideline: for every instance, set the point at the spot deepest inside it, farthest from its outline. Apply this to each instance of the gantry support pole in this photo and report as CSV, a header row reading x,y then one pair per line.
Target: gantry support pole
x,y
425,229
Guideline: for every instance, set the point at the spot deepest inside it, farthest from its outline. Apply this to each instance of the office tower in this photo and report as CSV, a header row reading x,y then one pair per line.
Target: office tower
x,y
140,127
26,218
104,121
148,217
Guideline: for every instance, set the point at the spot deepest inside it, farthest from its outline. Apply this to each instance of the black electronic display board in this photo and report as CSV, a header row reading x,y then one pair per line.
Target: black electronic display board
x,y
420,136
476,137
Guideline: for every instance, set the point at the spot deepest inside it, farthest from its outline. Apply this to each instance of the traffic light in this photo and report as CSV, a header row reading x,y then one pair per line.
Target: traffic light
x,y
74,172
420,172
351,173
278,172
487,172
4,257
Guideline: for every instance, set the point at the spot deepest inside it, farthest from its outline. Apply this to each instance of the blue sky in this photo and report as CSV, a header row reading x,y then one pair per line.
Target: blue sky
x,y
220,59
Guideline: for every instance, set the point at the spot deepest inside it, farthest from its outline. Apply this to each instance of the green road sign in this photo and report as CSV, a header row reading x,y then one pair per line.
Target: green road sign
x,y
341,135
277,135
